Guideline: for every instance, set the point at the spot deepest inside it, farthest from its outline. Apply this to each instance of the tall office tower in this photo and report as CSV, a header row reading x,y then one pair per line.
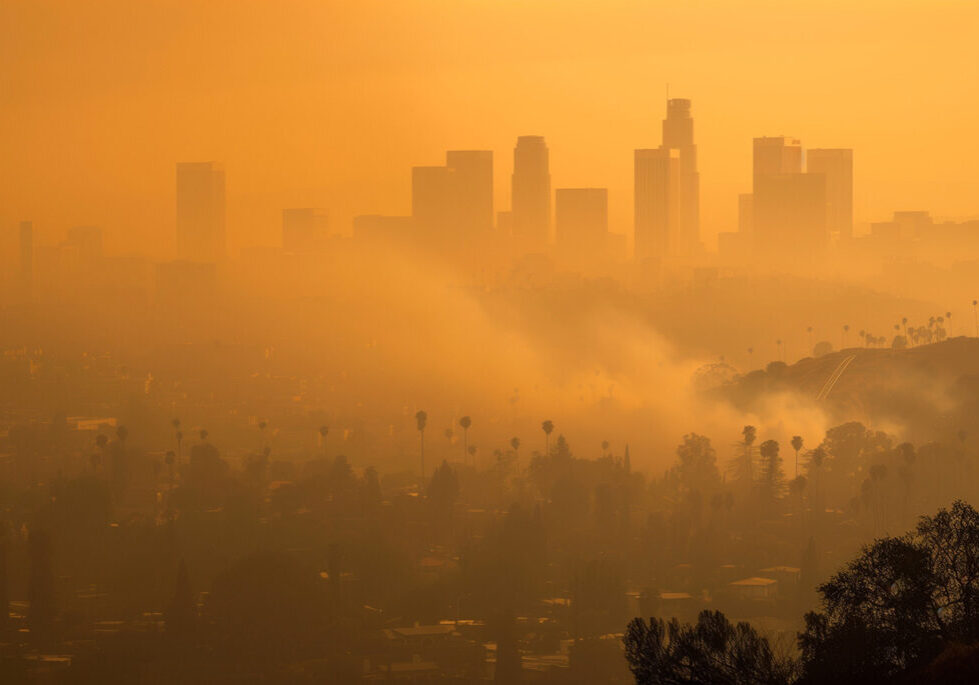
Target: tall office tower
x,y
658,204
775,155
531,193
837,167
678,135
433,204
304,229
473,189
200,211
26,259
790,215
581,221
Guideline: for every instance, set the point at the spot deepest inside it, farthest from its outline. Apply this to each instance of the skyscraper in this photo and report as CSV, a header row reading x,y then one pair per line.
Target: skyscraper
x,y
678,135
200,211
531,193
775,155
790,215
837,166
788,207
581,221
303,229
473,189
433,204
658,203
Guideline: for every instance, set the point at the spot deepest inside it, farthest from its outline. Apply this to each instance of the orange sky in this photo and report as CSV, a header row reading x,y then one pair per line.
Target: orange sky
x,y
330,103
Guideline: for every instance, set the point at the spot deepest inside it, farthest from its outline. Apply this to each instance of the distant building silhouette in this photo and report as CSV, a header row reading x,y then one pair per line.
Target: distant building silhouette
x,y
473,188
658,202
837,166
531,194
452,205
775,155
433,202
304,229
376,227
200,211
678,135
788,207
581,222
667,190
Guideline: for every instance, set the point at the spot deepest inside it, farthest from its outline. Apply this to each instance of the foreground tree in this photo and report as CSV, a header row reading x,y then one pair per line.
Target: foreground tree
x,y
711,651
894,608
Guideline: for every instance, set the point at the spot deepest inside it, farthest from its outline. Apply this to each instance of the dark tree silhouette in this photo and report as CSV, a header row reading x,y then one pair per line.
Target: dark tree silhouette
x,y
797,445
548,428
893,608
710,651
465,422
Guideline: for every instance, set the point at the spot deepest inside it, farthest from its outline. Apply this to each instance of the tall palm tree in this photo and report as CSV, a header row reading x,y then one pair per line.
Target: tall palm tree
x,y
797,445
548,428
421,418
465,422
515,444
846,329
975,316
179,435
778,349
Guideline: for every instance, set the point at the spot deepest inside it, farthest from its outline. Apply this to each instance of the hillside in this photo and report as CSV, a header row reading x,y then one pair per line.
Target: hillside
x,y
931,390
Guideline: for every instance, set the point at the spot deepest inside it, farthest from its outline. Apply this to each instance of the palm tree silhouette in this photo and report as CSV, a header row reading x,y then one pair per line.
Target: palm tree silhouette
x,y
515,444
846,329
465,422
778,349
548,428
421,418
975,316
797,445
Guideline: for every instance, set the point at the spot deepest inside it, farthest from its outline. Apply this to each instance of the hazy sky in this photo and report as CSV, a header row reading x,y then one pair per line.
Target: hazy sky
x,y
329,103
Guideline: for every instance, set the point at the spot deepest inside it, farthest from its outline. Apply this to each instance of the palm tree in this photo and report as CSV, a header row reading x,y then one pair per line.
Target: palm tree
x,y
465,422
846,329
515,444
324,431
179,435
203,435
975,316
548,428
778,349
605,444
797,445
904,322
421,418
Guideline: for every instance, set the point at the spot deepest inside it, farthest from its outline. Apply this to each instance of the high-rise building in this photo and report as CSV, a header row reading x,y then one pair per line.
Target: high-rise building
x,y
581,221
304,229
678,135
433,203
775,155
790,215
788,207
200,211
837,166
473,181
658,203
531,193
